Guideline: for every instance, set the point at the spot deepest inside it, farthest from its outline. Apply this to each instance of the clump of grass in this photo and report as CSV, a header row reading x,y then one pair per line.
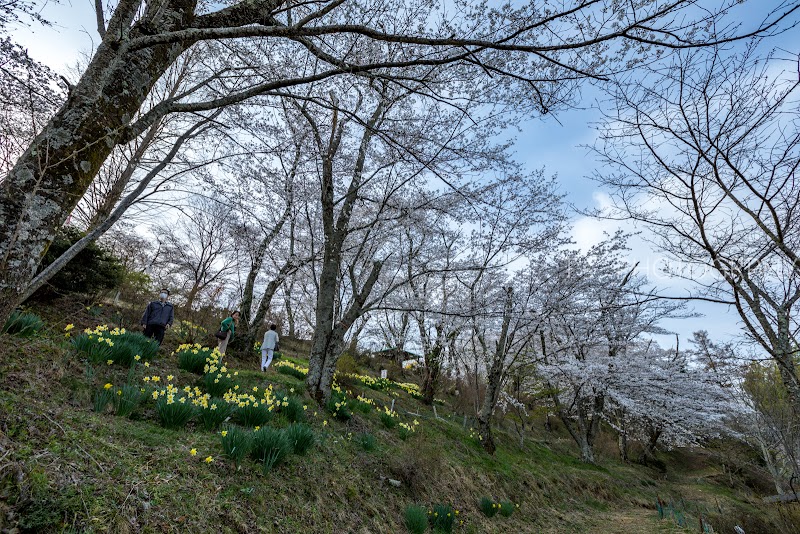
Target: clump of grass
x,y
291,369
416,519
487,506
405,431
173,413
214,413
126,399
301,438
102,398
95,352
252,414
367,441
217,384
269,447
22,324
236,443
337,406
506,508
128,345
119,346
294,410
193,358
388,418
442,518
357,405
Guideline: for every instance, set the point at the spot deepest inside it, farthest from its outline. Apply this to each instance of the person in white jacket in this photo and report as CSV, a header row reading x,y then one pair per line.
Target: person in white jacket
x,y
268,346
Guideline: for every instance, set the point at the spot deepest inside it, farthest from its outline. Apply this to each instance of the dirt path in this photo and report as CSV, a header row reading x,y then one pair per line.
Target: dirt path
x,y
633,521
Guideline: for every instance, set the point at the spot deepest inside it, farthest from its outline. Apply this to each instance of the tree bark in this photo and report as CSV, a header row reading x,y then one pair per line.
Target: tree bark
x,y
430,379
328,340
104,225
51,176
494,381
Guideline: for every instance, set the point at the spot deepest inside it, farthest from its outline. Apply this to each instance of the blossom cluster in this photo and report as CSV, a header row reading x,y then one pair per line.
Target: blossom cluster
x,y
102,334
172,394
267,398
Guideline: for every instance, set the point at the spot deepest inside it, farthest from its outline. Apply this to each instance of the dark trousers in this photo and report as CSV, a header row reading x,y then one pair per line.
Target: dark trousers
x,y
155,331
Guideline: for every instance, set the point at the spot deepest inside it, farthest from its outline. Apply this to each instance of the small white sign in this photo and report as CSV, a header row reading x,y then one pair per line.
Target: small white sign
x,y
384,373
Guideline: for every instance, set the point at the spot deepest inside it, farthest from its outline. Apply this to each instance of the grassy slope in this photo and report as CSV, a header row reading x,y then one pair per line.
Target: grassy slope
x,y
64,467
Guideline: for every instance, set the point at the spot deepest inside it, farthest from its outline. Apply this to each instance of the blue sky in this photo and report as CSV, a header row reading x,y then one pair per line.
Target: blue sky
x,y
550,142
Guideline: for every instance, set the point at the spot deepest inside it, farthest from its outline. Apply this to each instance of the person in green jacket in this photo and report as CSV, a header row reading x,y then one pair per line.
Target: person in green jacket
x,y
228,325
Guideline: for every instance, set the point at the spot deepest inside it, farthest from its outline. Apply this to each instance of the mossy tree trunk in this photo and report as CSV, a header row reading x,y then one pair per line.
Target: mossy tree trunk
x,y
51,176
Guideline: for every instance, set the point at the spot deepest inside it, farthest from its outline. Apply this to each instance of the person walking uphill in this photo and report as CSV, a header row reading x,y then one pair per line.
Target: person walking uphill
x,y
268,346
158,316
227,325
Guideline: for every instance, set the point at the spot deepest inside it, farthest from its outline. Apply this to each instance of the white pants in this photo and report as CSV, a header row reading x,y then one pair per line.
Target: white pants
x,y
266,357
222,344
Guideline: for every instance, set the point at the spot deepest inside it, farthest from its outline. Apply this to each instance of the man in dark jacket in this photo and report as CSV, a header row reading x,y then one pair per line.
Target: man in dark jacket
x,y
158,317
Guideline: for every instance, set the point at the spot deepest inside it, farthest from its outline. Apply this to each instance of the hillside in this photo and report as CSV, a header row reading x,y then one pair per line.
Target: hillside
x,y
65,467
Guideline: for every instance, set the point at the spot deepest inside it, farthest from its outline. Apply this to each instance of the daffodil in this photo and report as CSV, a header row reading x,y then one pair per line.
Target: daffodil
x,y
224,432
208,459
108,386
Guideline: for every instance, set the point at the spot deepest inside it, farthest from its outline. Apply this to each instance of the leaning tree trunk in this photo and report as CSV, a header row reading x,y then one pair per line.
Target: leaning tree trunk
x,y
248,339
494,380
52,175
102,226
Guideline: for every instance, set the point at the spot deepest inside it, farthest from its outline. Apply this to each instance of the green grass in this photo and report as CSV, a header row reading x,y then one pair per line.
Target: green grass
x,y
74,470
22,324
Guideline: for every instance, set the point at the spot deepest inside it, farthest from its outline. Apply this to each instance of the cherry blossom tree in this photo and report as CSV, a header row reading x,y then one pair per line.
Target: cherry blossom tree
x,y
705,153
600,306
527,57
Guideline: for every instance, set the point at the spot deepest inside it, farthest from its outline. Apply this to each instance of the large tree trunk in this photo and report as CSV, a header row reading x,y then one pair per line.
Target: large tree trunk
x,y
54,172
587,450
328,333
494,380
430,378
328,340
325,351
102,226
785,356
622,444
